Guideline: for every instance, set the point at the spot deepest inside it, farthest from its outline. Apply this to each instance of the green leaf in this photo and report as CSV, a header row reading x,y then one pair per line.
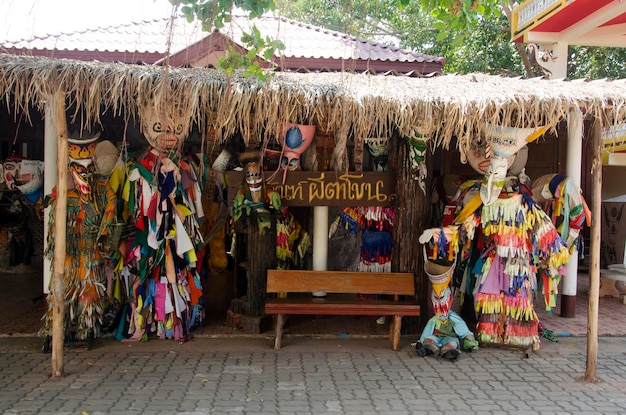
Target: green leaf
x,y
268,54
457,41
440,26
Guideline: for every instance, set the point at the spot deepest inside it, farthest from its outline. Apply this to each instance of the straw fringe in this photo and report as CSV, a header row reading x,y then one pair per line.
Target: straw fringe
x,y
373,105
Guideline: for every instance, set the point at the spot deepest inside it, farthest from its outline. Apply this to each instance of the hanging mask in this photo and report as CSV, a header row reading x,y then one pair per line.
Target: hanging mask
x,y
81,163
271,159
164,126
378,149
295,140
11,168
30,181
417,156
254,175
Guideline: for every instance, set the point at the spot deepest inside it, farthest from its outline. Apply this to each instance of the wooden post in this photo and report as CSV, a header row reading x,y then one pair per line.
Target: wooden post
x,y
60,214
409,222
594,269
49,181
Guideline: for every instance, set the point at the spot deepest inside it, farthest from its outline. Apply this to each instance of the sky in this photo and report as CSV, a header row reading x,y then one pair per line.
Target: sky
x,y
21,19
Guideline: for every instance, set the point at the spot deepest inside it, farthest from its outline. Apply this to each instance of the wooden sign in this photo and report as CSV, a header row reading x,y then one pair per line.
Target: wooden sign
x,y
326,188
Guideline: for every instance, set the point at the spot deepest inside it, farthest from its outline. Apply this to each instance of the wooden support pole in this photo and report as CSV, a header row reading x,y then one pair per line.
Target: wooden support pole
x,y
594,269
60,216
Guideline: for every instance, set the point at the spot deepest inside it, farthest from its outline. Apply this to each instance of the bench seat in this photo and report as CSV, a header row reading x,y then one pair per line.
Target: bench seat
x,y
289,292
339,307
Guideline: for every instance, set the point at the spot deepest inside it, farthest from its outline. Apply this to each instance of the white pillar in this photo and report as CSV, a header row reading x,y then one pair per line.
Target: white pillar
x,y
559,52
50,179
573,171
320,241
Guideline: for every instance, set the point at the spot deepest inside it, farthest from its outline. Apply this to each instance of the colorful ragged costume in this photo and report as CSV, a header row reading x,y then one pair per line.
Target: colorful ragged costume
x,y
90,215
515,242
377,225
563,201
162,199
292,241
446,333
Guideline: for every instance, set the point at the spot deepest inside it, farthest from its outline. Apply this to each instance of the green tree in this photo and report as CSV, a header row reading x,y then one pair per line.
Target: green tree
x,y
215,13
475,38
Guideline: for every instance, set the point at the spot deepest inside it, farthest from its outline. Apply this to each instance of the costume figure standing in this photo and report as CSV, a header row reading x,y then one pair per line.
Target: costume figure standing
x,y
90,213
162,198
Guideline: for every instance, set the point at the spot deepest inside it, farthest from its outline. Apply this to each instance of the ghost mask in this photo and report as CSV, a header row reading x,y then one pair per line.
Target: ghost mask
x,y
81,163
503,143
295,139
11,168
30,181
254,175
164,126
442,303
380,155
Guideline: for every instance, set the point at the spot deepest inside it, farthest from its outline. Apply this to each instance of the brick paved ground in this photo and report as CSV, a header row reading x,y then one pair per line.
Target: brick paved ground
x,y
308,376
334,366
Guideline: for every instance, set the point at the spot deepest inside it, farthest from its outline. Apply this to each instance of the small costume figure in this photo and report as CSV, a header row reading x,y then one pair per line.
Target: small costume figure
x,y
446,332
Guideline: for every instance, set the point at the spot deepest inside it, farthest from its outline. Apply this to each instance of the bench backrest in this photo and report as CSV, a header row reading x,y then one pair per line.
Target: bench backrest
x,y
299,281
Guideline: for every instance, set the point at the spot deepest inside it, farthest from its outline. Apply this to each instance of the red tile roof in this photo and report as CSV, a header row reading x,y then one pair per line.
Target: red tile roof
x,y
307,46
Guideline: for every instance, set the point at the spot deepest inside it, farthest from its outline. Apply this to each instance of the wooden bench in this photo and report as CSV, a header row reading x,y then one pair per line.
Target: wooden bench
x,y
341,288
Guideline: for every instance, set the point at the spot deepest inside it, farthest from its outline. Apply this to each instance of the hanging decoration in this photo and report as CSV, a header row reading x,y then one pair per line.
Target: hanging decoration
x,y
292,241
156,261
295,139
376,242
418,144
378,148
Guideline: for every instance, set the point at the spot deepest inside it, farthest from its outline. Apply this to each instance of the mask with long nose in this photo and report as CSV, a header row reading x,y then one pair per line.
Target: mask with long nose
x,y
165,126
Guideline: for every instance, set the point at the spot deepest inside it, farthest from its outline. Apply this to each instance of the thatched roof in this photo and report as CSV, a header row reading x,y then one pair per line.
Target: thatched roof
x,y
372,105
